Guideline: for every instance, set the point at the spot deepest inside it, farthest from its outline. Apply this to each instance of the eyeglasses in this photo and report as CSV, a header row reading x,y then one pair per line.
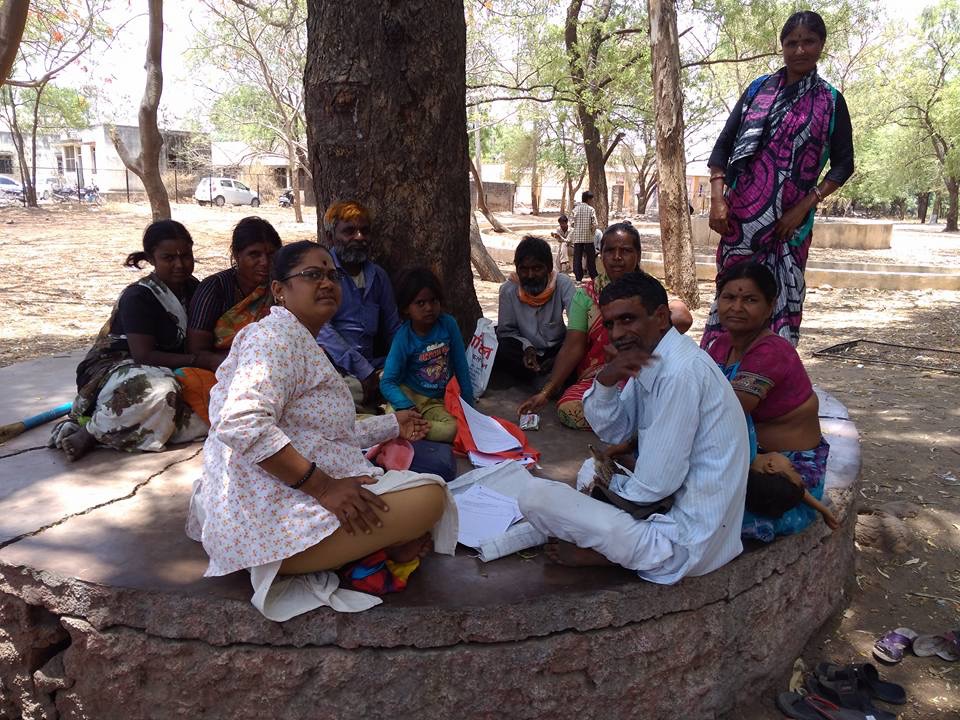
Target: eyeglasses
x,y
317,276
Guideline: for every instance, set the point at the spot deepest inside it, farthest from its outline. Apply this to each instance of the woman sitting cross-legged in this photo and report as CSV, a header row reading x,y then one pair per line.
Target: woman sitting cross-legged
x,y
769,378
128,397
231,299
286,489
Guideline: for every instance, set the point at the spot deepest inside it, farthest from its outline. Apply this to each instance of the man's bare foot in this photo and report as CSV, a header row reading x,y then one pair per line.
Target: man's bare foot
x,y
405,552
562,552
77,444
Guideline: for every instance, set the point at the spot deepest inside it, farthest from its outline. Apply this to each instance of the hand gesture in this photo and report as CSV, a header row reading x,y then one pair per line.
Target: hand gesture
x,y
533,403
719,215
622,364
790,221
530,361
352,503
412,425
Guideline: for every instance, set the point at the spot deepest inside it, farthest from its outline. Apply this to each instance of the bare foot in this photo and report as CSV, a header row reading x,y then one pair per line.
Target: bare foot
x,y
562,552
405,552
77,444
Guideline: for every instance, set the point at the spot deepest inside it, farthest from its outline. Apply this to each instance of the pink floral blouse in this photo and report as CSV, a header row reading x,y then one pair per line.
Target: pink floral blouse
x,y
276,387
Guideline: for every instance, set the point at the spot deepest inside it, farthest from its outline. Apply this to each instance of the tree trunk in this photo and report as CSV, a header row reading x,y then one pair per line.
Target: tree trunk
x,y
923,202
482,200
146,165
294,180
678,259
374,66
953,191
593,149
486,266
13,18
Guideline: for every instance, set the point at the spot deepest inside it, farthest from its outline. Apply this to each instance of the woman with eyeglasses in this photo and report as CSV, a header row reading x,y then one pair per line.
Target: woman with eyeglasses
x,y
128,396
286,491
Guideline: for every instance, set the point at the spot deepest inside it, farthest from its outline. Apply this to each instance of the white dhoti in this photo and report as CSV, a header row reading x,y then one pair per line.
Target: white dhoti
x,y
558,510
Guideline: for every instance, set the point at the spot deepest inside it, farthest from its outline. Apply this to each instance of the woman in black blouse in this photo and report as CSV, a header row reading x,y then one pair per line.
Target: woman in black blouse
x,y
128,397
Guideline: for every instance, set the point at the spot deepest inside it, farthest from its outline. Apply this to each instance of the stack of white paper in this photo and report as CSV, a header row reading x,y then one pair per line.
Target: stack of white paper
x,y
484,514
479,459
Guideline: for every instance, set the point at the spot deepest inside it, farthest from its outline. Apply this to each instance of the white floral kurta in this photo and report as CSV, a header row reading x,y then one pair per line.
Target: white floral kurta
x,y
276,387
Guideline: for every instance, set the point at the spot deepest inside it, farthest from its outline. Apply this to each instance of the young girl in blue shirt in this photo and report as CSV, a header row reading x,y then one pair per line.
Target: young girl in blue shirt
x,y
426,352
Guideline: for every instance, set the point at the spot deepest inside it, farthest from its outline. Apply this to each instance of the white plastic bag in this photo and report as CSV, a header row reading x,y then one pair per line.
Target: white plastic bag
x,y
480,355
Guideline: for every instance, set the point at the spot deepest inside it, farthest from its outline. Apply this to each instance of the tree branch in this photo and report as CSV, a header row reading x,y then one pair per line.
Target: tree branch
x,y
700,63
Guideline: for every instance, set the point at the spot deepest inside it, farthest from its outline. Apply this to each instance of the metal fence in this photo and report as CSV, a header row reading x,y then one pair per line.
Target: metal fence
x,y
80,185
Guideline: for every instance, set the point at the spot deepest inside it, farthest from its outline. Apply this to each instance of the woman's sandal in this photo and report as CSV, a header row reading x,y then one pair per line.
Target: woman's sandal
x,y
892,646
814,707
945,646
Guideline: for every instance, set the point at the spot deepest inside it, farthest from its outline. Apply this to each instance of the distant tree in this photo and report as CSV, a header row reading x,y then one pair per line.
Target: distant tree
x,y
57,34
146,164
257,53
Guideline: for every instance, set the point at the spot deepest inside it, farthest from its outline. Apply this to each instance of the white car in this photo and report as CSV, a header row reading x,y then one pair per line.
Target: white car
x,y
221,191
10,187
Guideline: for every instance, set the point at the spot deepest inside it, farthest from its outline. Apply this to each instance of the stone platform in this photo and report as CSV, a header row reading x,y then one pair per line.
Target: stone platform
x,y
105,613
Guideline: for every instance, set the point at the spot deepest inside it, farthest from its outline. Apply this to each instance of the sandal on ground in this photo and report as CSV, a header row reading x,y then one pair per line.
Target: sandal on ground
x,y
888,692
891,647
813,707
945,646
840,685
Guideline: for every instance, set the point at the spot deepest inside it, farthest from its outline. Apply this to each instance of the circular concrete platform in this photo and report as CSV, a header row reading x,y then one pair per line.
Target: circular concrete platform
x,y
106,613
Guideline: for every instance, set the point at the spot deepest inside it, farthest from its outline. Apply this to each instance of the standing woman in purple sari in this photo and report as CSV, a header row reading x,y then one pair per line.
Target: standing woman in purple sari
x,y
765,168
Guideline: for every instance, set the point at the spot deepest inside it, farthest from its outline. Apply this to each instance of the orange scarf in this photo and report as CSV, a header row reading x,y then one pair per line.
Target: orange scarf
x,y
536,300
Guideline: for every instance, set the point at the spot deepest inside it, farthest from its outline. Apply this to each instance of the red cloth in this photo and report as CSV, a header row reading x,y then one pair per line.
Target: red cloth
x,y
464,443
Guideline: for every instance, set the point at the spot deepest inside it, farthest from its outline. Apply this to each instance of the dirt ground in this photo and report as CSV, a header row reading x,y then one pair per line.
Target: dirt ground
x,y
61,269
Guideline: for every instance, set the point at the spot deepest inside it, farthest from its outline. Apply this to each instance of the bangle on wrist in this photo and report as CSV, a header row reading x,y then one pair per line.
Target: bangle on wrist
x,y
299,484
819,194
717,176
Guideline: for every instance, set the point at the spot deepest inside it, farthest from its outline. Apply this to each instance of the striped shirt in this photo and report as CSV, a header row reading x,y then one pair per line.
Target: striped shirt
x,y
583,224
692,436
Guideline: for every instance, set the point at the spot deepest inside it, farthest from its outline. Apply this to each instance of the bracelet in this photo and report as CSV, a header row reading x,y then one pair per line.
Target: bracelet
x,y
301,481
718,176
819,194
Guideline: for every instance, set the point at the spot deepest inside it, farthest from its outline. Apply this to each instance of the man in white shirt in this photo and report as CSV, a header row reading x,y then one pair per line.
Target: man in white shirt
x,y
692,444
582,236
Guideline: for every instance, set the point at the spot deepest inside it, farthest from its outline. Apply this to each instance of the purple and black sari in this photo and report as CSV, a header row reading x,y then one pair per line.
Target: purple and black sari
x,y
781,148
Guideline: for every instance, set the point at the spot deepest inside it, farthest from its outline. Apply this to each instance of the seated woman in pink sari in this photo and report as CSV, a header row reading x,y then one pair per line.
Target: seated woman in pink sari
x,y
582,354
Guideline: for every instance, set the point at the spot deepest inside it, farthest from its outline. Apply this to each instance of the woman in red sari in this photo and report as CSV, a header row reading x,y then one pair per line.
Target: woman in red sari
x,y
582,354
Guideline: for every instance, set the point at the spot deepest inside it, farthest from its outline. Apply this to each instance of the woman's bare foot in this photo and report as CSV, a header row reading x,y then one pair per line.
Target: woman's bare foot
x,y
562,552
77,444
416,548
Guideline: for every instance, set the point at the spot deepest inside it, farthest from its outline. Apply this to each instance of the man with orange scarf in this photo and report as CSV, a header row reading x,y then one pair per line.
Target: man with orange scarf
x,y
531,327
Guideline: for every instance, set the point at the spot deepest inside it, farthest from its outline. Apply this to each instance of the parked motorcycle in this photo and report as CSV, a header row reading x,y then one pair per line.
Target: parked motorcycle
x,y
286,198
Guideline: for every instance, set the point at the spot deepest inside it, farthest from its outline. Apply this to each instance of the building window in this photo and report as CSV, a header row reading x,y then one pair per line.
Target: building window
x,y
93,159
59,164
6,164
70,157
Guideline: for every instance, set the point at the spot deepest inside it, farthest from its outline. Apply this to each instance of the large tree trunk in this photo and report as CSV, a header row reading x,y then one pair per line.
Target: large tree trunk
x,y
13,18
373,67
482,200
596,162
679,264
953,191
487,268
146,165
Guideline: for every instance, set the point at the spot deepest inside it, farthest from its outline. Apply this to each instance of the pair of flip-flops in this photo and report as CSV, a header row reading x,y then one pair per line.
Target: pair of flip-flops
x,y
843,692
894,644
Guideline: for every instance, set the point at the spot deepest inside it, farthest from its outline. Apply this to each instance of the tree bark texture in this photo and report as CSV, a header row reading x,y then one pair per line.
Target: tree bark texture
x,y
675,233
486,266
13,18
923,202
146,165
385,93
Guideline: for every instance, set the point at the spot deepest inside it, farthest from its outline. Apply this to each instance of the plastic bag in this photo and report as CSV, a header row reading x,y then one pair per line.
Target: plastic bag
x,y
480,355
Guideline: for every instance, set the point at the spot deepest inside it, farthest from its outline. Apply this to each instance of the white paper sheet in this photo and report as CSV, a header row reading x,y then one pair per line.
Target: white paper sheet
x,y
488,434
484,514
479,459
